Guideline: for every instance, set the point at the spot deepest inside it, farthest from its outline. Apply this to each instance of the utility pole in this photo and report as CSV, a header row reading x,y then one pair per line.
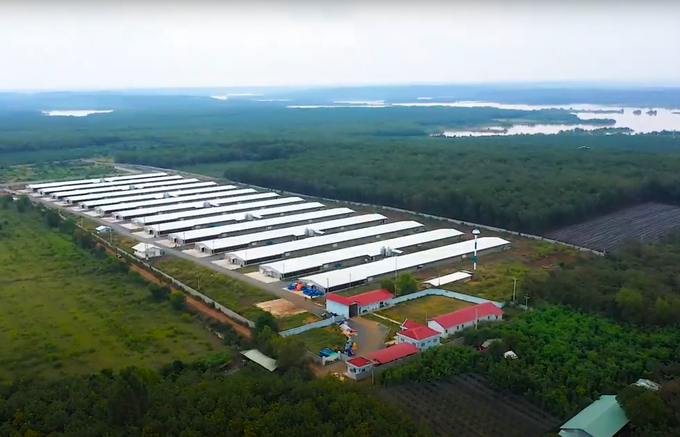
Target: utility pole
x,y
526,301
475,317
475,232
514,289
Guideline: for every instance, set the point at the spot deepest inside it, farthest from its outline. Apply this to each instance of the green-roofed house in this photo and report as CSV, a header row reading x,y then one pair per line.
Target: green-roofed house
x,y
602,418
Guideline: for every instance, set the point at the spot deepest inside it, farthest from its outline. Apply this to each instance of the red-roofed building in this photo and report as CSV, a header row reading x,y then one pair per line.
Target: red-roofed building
x,y
409,324
358,367
449,324
419,336
351,306
393,353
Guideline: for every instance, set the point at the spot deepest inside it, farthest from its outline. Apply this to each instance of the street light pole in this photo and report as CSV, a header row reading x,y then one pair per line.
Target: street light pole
x,y
526,301
475,232
514,289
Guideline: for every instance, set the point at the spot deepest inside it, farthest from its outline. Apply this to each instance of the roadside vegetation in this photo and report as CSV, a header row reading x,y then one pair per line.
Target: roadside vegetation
x,y
54,171
68,307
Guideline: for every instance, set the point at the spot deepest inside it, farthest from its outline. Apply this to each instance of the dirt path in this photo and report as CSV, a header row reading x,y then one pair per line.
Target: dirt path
x,y
191,301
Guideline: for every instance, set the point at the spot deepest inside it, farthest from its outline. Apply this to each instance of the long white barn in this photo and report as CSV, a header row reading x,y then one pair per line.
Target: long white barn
x,y
134,189
277,251
122,186
184,225
137,215
294,267
269,237
47,191
182,238
177,190
343,278
36,187
106,209
203,210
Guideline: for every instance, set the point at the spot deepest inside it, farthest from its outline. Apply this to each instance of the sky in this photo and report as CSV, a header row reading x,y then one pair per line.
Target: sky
x,y
96,44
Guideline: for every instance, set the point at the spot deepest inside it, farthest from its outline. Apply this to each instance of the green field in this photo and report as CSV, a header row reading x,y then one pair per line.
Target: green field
x,y
54,171
235,295
63,311
423,308
319,338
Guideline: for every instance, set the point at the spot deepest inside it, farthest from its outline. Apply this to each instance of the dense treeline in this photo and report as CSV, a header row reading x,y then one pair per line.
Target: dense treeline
x,y
639,284
566,360
186,401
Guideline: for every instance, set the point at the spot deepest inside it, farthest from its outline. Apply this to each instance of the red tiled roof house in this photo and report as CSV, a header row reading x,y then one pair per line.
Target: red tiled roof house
x,y
451,323
420,336
359,303
360,367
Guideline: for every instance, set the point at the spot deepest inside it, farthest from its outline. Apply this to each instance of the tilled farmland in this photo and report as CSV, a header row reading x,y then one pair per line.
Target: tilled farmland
x,y
466,406
647,222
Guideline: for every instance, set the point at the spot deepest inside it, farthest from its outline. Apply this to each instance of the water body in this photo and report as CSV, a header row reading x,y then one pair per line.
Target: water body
x,y
665,119
75,112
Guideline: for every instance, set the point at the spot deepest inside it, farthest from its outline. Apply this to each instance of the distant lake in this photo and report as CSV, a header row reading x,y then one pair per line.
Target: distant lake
x,y
75,112
665,119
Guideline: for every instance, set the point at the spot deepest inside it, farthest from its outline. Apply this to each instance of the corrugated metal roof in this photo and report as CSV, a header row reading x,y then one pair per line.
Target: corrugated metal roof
x,y
293,231
261,359
61,188
602,418
120,186
258,224
189,205
362,272
368,250
93,181
142,247
419,333
324,240
151,188
447,279
202,210
467,315
237,217
173,199
362,299
157,193
393,353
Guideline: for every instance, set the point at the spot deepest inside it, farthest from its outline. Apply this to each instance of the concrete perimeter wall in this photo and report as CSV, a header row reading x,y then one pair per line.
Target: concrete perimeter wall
x,y
319,324
447,293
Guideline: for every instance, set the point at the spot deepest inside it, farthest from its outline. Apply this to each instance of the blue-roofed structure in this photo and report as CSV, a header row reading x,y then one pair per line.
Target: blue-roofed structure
x,y
602,418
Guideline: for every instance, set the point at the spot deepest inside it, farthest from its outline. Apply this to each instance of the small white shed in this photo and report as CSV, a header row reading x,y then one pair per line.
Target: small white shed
x,y
146,251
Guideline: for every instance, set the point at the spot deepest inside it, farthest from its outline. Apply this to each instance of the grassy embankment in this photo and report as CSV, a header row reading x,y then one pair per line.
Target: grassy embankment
x,y
54,171
63,312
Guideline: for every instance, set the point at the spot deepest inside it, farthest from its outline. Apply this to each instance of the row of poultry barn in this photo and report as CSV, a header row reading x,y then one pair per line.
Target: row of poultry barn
x,y
288,237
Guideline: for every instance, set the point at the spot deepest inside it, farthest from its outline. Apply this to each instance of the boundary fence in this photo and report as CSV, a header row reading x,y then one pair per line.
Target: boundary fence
x,y
447,293
319,324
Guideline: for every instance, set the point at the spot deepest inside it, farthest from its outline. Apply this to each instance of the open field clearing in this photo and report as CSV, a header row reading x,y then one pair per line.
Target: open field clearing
x,y
645,222
319,338
235,295
55,171
64,310
423,308
465,406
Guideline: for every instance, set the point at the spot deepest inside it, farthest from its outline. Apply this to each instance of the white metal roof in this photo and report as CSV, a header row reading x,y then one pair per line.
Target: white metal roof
x,y
224,218
368,249
142,247
141,212
447,279
92,181
371,249
258,224
256,253
206,187
174,191
202,210
258,357
127,190
363,272
295,231
101,184
172,199
122,185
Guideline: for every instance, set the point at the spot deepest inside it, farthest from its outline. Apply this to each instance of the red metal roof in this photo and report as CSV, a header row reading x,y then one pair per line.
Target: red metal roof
x,y
410,324
359,362
362,299
419,333
393,353
467,315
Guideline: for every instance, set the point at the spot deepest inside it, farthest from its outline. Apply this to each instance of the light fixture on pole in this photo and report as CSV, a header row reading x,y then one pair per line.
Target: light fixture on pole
x,y
475,232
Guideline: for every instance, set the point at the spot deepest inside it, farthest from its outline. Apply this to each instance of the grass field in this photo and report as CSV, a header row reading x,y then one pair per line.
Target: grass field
x,y
319,338
54,170
289,322
422,308
63,312
235,295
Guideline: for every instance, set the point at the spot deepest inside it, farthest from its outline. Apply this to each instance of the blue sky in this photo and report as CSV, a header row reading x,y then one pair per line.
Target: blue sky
x,y
104,45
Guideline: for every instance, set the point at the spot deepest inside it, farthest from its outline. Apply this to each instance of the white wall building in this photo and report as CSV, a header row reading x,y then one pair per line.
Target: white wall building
x,y
421,337
147,251
451,323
